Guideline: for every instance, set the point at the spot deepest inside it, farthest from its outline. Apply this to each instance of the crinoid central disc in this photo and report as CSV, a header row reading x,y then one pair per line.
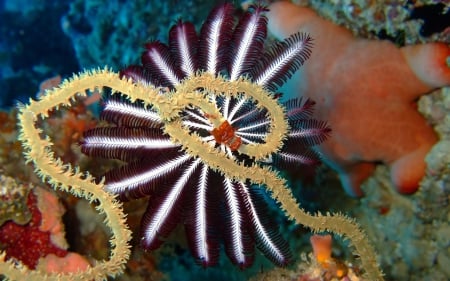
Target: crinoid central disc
x,y
239,114
226,134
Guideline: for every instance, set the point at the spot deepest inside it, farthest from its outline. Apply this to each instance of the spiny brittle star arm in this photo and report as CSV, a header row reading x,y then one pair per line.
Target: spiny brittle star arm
x,y
68,179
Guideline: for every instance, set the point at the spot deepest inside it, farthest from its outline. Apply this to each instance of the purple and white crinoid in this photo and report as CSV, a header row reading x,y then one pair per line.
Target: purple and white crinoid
x,y
183,188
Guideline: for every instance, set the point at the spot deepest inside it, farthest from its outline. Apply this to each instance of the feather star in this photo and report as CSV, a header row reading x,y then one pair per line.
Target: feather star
x,y
183,189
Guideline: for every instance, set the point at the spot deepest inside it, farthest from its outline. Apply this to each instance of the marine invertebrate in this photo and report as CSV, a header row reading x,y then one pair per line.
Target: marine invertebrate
x,y
331,267
366,91
195,96
28,243
43,235
184,188
64,177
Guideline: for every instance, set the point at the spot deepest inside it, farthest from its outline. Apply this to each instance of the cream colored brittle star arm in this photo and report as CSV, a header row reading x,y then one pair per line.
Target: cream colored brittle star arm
x,y
69,179
336,223
66,178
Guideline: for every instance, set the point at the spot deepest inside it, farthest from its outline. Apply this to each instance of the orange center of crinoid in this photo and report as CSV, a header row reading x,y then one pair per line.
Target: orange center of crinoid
x,y
224,134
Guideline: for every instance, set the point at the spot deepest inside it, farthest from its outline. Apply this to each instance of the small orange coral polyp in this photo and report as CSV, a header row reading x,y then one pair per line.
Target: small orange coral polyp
x,y
224,134
321,247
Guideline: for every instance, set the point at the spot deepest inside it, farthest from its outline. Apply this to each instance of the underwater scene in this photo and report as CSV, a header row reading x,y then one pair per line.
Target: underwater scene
x,y
302,140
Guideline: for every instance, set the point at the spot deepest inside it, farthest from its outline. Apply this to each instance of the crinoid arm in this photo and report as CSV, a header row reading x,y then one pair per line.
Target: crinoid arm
x,y
195,124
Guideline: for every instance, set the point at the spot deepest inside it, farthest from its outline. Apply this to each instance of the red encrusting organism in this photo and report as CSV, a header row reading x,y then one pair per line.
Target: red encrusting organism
x,y
27,243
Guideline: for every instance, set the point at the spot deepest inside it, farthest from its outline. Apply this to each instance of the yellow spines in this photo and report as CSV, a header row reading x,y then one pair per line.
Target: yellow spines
x,y
169,106
69,179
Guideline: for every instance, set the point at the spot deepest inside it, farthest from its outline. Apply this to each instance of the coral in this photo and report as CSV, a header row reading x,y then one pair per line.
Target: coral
x,y
13,201
71,262
27,243
10,147
321,245
366,90
43,235
316,266
91,25
187,189
67,126
411,233
330,267
63,177
393,19
194,92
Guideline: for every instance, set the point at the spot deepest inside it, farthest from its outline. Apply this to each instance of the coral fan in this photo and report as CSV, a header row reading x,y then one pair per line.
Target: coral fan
x,y
366,90
186,189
